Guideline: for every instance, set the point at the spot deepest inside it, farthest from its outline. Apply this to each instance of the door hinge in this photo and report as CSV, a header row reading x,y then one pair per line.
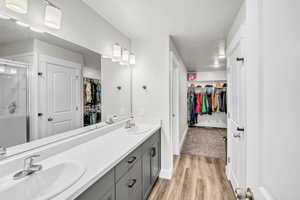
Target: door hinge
x,y
228,160
244,194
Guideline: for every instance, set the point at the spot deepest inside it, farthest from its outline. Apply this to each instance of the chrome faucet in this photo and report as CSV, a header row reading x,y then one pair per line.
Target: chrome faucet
x,y
29,168
130,123
2,151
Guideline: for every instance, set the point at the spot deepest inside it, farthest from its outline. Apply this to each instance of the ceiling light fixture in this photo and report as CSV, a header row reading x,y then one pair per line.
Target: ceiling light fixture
x,y
22,24
116,53
125,57
53,16
132,59
20,6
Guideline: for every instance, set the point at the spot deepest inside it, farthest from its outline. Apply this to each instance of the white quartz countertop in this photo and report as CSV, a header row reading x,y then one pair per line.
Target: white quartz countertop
x,y
99,156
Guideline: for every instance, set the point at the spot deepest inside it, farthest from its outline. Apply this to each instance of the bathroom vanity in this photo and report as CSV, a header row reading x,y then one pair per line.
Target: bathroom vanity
x,y
132,178
66,122
106,163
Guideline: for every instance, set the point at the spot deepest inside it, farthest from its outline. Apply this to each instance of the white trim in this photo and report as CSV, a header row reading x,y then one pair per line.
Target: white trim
x,y
14,63
166,174
58,61
183,138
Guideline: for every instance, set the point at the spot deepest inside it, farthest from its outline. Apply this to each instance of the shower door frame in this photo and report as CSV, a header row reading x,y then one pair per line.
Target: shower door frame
x,y
16,64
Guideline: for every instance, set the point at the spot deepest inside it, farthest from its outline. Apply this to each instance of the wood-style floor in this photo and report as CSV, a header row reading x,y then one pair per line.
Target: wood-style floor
x,y
195,178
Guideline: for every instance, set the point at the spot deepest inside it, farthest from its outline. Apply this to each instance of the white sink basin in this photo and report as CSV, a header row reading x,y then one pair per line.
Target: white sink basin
x,y
42,185
139,129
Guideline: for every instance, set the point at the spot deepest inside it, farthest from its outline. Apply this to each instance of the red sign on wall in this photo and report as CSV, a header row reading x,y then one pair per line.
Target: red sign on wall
x,y
191,76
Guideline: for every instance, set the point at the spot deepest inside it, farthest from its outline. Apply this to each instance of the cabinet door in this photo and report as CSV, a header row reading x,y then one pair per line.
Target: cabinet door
x,y
146,159
155,161
129,186
103,189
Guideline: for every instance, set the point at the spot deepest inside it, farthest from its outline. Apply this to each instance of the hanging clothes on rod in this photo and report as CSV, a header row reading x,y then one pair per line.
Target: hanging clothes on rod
x,y
92,101
206,100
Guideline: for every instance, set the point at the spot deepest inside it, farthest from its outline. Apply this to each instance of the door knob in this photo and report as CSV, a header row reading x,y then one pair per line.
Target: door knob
x,y
50,119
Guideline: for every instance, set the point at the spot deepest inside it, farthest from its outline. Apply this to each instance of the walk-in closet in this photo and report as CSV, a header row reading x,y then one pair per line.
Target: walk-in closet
x,y
207,114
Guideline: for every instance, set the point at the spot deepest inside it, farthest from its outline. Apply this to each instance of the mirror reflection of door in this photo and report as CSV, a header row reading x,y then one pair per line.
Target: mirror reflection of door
x,y
59,95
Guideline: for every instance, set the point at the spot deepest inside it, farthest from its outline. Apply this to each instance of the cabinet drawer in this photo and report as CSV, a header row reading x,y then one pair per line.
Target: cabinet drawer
x,y
101,189
129,186
128,162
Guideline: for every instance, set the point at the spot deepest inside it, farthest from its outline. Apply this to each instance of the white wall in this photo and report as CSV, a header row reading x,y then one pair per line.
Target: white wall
x,y
80,25
211,76
238,21
152,70
92,66
44,48
16,48
115,101
183,125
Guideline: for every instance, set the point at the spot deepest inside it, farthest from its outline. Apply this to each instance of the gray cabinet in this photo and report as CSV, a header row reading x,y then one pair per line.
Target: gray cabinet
x,y
155,161
146,171
151,163
131,179
129,186
103,189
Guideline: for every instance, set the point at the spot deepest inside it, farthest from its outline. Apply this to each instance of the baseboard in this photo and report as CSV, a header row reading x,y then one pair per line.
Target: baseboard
x,y
183,138
165,174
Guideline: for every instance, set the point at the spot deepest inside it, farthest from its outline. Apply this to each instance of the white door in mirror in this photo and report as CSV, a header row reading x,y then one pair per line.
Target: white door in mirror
x,y
43,185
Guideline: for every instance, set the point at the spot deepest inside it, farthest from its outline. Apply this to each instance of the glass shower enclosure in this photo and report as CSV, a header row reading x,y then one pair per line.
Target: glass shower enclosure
x,y
14,117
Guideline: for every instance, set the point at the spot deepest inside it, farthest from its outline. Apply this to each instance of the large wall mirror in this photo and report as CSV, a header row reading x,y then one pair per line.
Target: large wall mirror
x,y
49,86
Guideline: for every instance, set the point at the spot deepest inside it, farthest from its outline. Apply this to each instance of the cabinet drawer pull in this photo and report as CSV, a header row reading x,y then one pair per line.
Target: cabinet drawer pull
x,y
153,152
131,183
131,160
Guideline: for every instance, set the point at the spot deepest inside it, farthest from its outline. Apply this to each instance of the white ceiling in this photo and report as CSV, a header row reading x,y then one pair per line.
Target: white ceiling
x,y
199,27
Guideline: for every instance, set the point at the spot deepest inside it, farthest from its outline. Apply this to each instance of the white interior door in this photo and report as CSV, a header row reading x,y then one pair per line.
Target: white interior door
x,y
237,136
60,92
175,106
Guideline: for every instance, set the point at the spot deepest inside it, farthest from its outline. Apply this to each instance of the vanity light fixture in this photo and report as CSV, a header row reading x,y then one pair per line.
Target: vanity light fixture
x,y
53,16
116,53
125,57
3,16
22,24
132,59
20,6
